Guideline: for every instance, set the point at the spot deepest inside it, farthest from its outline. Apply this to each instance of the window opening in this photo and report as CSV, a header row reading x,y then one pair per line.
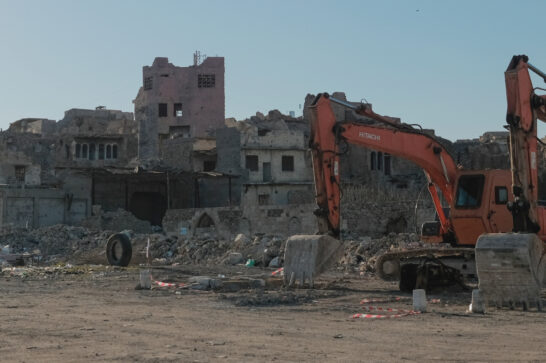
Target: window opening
x,y
162,110
206,80
178,109
372,160
252,162
114,151
148,83
379,160
92,148
287,163
263,199
20,173
108,151
209,165
84,151
387,162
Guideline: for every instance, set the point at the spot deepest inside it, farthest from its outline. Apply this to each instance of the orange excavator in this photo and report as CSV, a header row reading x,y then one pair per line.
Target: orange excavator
x,y
477,200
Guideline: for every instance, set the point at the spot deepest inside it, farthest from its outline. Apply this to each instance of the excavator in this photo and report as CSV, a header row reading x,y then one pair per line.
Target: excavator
x,y
480,202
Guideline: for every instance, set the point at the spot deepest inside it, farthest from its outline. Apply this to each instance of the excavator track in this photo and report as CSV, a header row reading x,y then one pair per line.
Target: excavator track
x,y
388,265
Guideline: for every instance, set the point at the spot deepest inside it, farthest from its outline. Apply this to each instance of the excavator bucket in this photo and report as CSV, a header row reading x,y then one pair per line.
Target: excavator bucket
x,y
510,268
307,256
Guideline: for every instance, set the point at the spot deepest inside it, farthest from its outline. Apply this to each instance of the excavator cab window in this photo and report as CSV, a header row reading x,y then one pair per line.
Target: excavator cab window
x,y
469,191
501,195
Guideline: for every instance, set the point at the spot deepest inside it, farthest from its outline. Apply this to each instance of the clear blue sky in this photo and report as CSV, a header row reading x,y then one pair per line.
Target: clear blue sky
x,y
437,63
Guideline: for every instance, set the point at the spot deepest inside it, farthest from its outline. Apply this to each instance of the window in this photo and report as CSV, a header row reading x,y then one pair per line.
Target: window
x,y
379,160
252,162
162,110
101,151
114,151
372,160
178,109
92,150
387,162
67,151
148,82
209,165
108,151
206,80
469,191
501,195
78,151
287,163
263,199
20,173
84,151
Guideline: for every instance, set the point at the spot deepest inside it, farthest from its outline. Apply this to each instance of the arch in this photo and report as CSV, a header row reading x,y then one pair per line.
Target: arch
x,y
205,221
294,226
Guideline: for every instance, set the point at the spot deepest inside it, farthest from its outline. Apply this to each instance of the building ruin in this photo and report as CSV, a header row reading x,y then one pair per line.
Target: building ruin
x,y
177,162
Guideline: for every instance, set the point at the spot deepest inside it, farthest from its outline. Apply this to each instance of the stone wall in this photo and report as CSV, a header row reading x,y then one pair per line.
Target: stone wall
x,y
228,222
375,211
34,208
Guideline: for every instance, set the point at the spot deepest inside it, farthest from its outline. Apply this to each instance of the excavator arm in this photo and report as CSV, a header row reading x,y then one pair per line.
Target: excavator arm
x,y
511,266
329,137
524,108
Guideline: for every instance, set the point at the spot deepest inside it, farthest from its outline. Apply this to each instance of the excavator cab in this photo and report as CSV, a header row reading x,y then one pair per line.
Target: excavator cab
x,y
480,204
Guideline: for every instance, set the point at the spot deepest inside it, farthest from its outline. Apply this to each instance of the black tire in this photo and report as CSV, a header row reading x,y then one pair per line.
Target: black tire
x,y
115,242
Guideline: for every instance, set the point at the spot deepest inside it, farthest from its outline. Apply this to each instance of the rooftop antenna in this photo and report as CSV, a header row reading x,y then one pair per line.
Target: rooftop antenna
x,y
198,58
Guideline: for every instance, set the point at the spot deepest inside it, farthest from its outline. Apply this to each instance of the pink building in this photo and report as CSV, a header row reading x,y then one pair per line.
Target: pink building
x,y
173,102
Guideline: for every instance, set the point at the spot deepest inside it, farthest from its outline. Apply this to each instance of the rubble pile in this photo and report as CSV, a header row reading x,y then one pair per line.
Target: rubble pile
x,y
264,250
52,243
77,245
361,255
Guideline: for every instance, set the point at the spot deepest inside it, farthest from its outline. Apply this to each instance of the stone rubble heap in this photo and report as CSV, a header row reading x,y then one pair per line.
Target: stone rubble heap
x,y
79,245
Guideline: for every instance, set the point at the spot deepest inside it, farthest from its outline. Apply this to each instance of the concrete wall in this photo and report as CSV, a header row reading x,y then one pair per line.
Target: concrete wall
x,y
34,208
277,194
228,222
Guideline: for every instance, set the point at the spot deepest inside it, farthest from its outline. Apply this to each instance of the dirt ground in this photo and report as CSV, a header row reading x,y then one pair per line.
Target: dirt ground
x,y
96,314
